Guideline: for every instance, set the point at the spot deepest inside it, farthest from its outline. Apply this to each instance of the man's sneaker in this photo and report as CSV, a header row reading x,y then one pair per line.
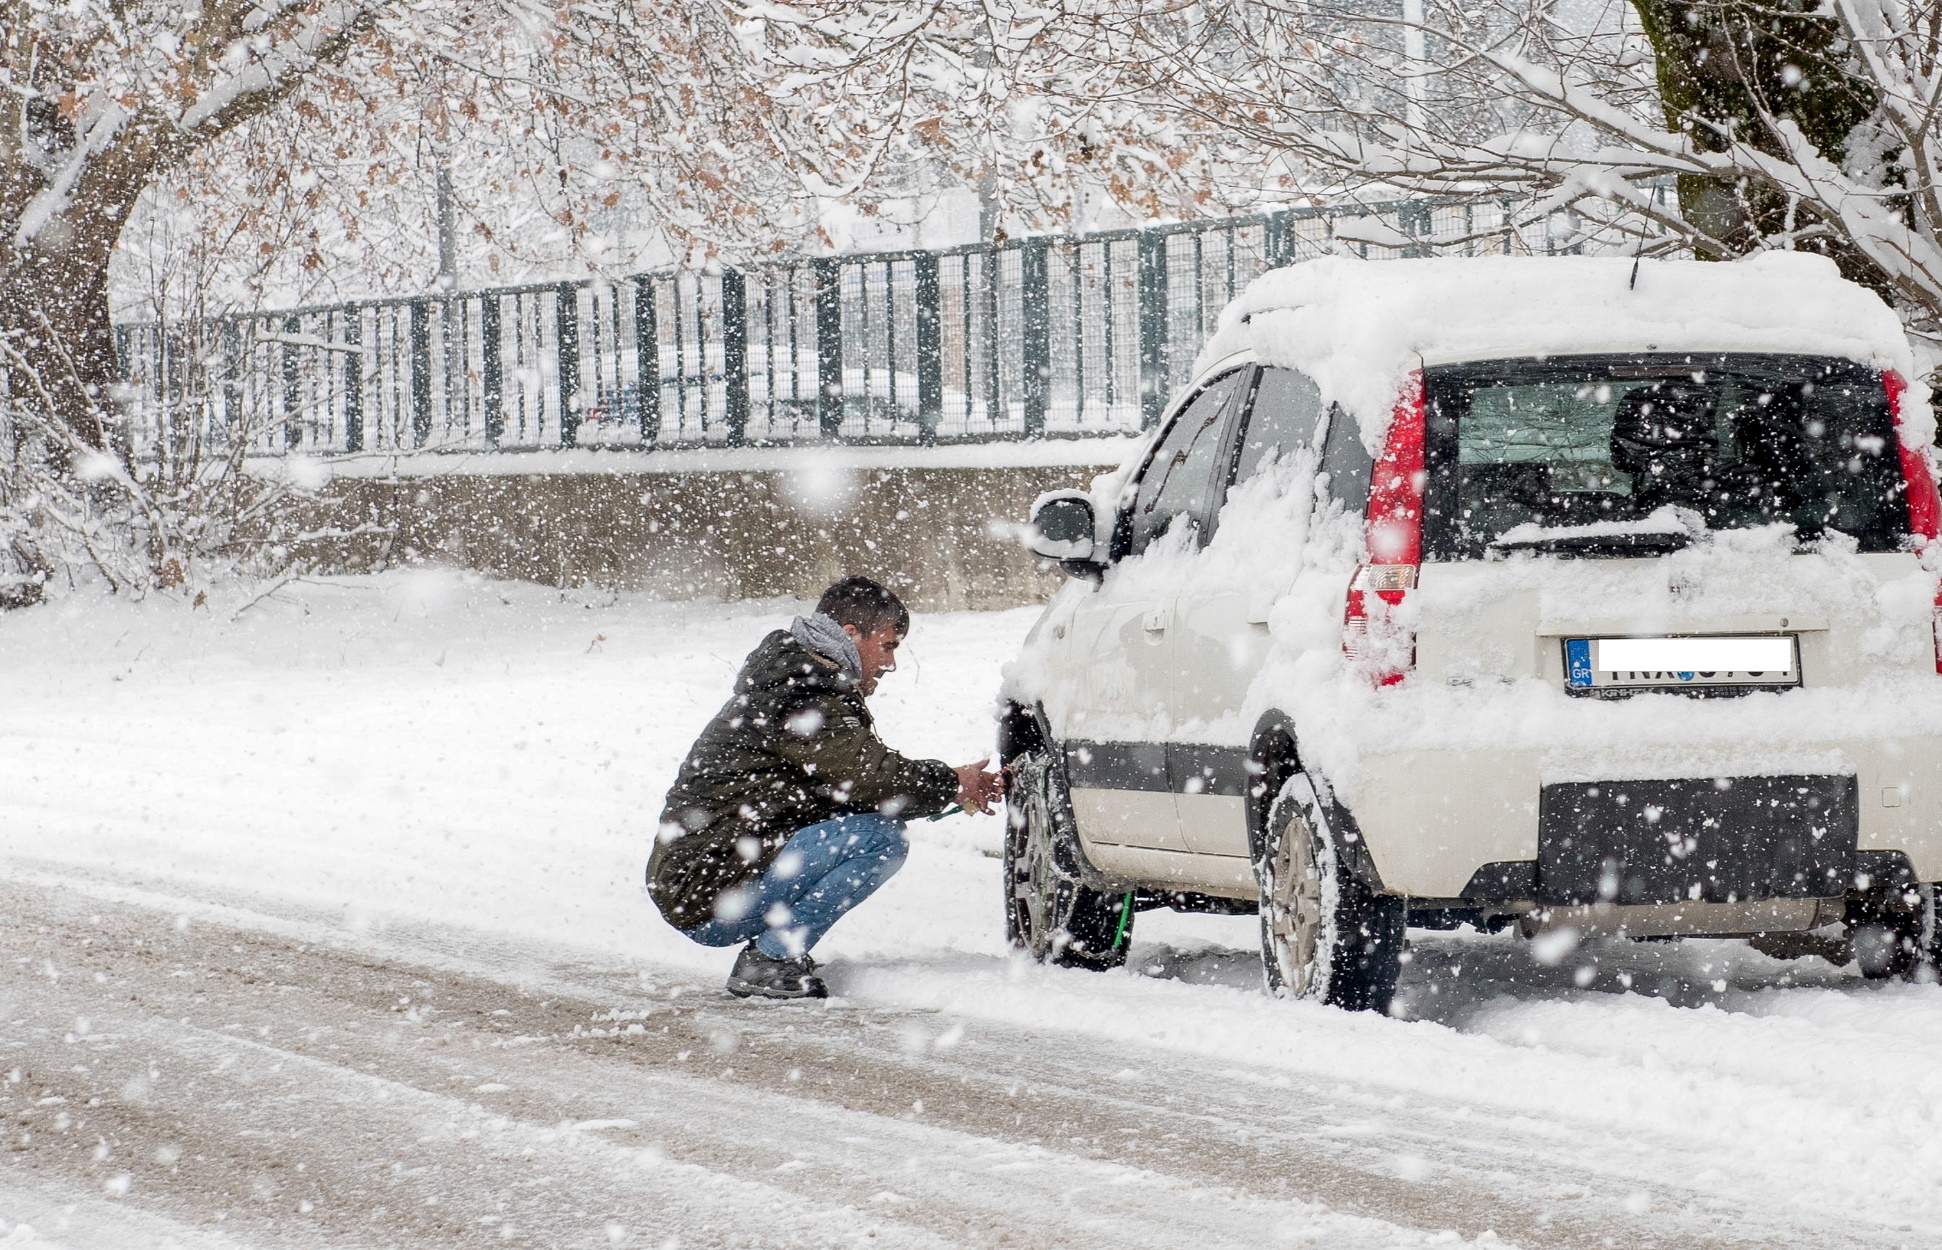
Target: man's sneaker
x,y
758,976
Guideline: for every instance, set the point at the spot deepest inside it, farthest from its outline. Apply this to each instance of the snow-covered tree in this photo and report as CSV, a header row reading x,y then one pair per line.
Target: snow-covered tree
x,y
269,146
1044,109
280,124
98,99
1782,126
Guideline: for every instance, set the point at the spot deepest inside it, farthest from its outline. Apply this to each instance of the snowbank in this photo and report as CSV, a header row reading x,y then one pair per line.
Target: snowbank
x,y
429,748
1355,326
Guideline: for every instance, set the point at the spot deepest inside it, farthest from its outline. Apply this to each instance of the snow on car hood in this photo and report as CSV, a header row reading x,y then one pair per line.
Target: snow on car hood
x,y
1357,326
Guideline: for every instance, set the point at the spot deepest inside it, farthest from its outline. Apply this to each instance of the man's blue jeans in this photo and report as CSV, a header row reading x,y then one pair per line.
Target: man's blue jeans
x,y
820,873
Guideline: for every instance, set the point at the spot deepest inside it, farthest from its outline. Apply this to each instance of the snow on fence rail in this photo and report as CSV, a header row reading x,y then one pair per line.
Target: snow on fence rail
x,y
1064,334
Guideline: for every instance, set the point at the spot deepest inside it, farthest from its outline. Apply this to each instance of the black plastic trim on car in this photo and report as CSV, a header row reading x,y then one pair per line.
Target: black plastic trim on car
x,y
1354,848
1705,839
1019,730
1504,881
1515,880
1883,869
1271,758
1138,766
1196,768
1157,767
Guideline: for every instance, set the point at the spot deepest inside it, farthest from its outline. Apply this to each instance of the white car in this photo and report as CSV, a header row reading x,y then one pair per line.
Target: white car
x,y
1524,593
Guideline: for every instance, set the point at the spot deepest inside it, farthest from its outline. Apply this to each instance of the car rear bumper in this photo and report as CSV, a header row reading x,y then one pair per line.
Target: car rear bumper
x,y
1432,819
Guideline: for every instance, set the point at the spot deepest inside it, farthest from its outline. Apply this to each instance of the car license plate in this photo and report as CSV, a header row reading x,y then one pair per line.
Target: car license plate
x,y
1634,663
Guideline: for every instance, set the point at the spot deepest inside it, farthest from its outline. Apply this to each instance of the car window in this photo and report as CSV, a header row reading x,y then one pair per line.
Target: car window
x,y
1179,478
1735,441
1286,411
1347,464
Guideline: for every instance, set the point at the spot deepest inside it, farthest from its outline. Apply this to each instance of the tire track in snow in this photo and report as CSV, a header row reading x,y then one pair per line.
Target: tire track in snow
x,y
729,1123
307,1096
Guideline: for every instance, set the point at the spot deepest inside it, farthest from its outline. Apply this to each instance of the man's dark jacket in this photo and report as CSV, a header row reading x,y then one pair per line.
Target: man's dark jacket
x,y
793,747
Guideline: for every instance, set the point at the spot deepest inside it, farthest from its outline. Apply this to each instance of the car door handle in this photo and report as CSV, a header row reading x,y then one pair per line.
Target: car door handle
x,y
1156,621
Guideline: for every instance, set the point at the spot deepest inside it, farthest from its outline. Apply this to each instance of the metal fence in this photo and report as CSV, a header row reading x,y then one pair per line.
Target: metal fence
x,y
1067,334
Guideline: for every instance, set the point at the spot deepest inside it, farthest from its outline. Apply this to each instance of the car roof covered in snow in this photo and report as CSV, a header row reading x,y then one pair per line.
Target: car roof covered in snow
x,y
1356,326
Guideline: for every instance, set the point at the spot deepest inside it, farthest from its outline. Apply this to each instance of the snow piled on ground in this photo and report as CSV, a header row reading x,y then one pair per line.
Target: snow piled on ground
x,y
432,748
435,751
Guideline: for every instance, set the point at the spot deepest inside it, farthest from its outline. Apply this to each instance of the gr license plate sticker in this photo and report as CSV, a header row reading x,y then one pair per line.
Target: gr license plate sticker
x,y
1604,663
1577,662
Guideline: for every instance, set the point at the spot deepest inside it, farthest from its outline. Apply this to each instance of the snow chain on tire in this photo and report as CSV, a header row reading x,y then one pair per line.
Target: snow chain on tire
x,y
1049,914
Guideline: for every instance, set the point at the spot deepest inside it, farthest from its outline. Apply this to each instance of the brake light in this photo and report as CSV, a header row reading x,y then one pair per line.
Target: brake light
x,y
1374,635
1924,507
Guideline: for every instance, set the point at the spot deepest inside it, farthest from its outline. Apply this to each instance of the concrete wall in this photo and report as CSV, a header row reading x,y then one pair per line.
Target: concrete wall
x,y
938,534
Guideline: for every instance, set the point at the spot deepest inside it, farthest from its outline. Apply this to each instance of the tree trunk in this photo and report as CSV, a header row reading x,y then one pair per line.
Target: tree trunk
x,y
54,311
1735,64
59,222
54,279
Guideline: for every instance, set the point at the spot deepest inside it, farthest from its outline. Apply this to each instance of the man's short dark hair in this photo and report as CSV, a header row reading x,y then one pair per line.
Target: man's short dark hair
x,y
865,604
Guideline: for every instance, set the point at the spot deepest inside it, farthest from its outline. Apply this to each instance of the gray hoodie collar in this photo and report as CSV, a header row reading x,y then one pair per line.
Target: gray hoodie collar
x,y
826,638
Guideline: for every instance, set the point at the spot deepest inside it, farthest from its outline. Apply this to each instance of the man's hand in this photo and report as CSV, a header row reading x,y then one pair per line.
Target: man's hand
x,y
978,789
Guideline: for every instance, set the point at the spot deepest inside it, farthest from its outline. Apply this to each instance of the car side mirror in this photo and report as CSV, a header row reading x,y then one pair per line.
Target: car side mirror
x,y
1062,529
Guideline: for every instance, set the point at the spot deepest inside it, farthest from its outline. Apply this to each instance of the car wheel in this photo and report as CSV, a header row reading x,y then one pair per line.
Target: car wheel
x,y
1049,913
1324,935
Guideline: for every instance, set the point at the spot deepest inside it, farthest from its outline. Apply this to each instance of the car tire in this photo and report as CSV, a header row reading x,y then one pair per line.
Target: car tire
x,y
1894,933
1324,934
1879,951
1049,913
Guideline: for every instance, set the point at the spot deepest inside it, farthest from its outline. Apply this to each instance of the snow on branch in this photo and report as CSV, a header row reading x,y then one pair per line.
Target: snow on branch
x,y
265,64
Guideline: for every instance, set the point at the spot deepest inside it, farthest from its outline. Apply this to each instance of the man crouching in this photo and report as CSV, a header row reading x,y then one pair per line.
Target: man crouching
x,y
789,810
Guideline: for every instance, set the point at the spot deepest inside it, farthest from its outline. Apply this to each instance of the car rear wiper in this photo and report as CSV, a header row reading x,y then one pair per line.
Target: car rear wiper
x,y
1653,542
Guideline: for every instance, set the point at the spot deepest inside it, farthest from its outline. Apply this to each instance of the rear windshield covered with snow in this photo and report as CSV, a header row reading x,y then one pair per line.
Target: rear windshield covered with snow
x,y
1543,447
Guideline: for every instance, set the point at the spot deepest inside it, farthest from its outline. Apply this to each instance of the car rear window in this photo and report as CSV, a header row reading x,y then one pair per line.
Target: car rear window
x,y
1738,441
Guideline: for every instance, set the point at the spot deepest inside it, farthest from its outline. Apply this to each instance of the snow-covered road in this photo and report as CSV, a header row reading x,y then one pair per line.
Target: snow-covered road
x,y
334,907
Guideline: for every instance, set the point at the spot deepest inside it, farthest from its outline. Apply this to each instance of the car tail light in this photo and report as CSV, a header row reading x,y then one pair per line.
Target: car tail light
x,y
1375,637
1924,507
